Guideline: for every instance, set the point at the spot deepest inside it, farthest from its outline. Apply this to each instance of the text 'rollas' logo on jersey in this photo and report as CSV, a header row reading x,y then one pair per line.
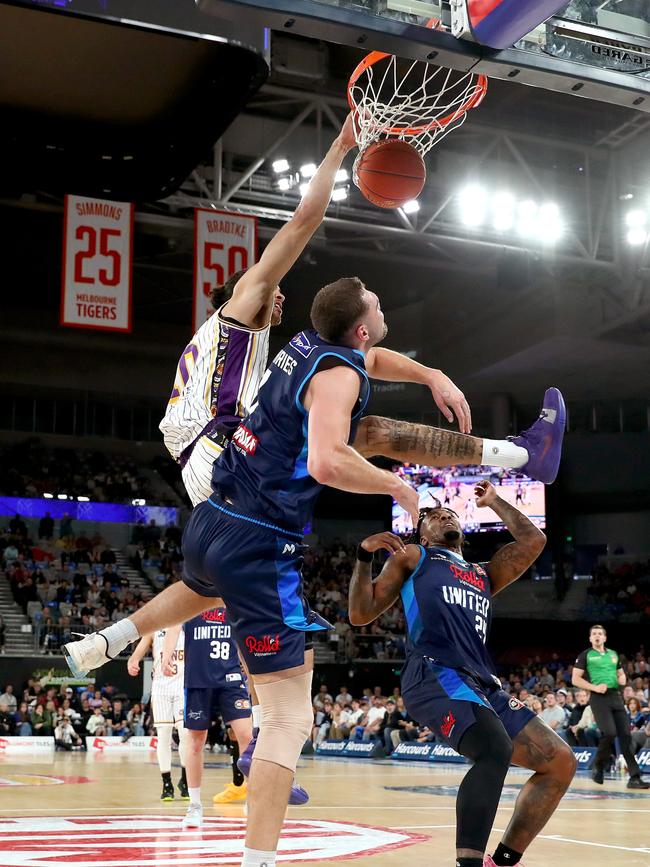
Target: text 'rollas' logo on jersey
x,y
467,577
245,439
216,615
265,646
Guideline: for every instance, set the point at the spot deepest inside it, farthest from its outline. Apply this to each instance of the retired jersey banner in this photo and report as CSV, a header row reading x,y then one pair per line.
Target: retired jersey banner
x,y
97,264
223,244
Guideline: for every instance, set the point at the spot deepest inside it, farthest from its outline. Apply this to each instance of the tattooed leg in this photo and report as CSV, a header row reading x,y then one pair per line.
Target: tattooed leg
x,y
538,747
416,443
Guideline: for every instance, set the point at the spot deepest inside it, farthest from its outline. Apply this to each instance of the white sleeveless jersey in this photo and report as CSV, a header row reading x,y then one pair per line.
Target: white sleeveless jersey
x,y
217,380
174,684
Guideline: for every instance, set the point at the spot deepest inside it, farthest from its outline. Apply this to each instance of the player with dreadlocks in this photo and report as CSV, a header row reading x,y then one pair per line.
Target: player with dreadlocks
x,y
449,682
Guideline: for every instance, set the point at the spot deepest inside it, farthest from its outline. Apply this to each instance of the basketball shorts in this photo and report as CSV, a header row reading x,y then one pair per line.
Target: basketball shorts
x,y
445,700
197,472
254,567
204,704
167,707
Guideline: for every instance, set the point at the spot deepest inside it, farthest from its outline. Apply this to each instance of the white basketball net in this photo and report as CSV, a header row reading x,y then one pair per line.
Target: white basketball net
x,y
420,106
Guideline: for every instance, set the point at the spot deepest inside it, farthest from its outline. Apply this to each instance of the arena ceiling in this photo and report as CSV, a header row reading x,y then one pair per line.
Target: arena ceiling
x,y
497,313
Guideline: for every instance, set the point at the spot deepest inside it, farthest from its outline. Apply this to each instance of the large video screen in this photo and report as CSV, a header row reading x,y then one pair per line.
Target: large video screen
x,y
454,487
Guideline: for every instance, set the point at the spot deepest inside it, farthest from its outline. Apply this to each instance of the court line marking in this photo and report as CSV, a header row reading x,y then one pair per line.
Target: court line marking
x,y
557,838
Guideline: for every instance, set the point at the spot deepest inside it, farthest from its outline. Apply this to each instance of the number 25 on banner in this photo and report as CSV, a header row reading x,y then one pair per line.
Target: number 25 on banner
x,y
97,254
223,244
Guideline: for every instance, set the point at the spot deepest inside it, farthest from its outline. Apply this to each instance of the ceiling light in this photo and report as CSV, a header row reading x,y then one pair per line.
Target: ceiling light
x,y
341,176
62,496
527,214
411,207
280,166
339,194
83,499
636,218
473,204
637,236
48,496
503,211
550,226
138,502
284,184
308,170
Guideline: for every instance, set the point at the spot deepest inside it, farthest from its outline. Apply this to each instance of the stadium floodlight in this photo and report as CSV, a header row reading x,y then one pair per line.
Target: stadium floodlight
x,y
62,496
636,219
550,223
138,502
341,176
637,235
48,496
303,189
308,170
411,207
339,193
83,499
527,214
503,211
284,184
280,166
473,205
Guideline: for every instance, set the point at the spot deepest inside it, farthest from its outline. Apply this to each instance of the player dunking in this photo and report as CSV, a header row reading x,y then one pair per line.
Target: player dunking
x,y
449,682
244,544
167,700
213,683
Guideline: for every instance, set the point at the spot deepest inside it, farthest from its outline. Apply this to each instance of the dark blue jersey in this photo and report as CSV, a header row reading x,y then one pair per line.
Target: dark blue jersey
x,y
264,469
447,604
211,658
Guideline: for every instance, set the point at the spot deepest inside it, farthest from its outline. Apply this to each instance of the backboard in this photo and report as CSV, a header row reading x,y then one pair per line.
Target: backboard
x,y
598,49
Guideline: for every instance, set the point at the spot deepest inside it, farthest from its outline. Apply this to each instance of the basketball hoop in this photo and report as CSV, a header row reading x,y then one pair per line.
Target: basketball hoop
x,y
420,106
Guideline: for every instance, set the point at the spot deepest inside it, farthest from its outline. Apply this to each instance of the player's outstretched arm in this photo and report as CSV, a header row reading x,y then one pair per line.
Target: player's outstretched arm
x,y
416,443
330,399
252,298
511,561
394,367
141,650
367,598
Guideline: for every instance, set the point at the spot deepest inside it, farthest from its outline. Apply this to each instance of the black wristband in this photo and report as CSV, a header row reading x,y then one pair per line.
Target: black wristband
x,y
364,556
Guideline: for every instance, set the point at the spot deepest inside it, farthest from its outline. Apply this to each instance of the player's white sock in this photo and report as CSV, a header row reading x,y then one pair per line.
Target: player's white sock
x,y
257,858
503,453
119,635
257,716
195,794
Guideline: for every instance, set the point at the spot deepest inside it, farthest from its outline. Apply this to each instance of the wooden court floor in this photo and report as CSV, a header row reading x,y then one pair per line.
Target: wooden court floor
x,y
103,810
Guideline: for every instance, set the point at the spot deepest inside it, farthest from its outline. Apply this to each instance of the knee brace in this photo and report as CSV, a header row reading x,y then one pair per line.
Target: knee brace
x,y
287,719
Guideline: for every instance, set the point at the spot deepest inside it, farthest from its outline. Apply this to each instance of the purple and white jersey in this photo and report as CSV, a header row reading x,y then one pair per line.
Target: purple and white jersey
x,y
217,380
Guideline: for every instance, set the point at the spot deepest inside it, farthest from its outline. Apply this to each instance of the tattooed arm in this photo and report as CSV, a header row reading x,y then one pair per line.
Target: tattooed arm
x,y
511,561
416,443
367,598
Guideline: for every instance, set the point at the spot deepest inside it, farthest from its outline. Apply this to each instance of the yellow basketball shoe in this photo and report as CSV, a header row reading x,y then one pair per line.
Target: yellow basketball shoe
x,y
232,794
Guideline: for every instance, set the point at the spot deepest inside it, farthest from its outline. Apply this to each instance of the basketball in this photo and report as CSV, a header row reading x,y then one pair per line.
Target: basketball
x,y
390,173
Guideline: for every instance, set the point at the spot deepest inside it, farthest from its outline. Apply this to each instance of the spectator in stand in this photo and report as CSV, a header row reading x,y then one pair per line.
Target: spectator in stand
x,y
374,719
41,721
65,737
400,726
322,723
96,700
46,527
116,720
9,699
17,526
639,718
344,696
321,697
7,722
135,721
23,720
553,715
536,706
341,721
66,530
96,725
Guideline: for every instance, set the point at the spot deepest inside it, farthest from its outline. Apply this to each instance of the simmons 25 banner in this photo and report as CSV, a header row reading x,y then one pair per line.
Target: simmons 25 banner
x,y
223,244
97,264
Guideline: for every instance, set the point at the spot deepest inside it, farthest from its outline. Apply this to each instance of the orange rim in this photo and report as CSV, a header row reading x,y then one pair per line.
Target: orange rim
x,y
473,101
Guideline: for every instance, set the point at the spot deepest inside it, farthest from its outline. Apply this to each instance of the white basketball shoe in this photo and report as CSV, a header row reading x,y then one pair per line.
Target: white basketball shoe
x,y
82,656
194,816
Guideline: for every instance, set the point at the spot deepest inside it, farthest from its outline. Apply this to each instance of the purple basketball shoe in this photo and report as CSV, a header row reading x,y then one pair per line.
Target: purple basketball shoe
x,y
298,795
543,441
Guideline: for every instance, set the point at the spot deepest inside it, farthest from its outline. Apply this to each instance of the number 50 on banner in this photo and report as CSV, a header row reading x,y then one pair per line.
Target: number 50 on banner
x,y
223,244
97,254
